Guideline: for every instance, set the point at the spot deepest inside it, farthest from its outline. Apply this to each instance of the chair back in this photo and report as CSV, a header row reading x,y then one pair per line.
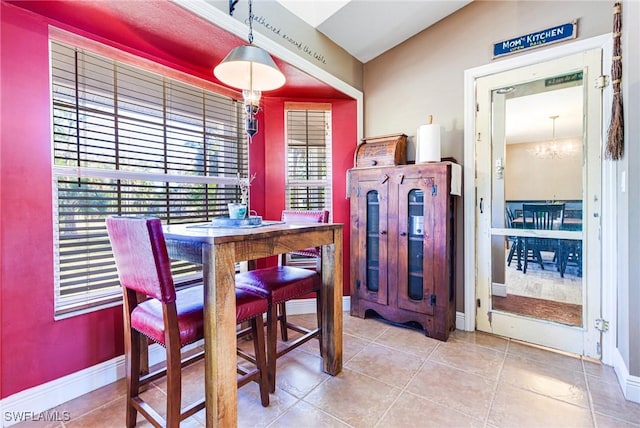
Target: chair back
x,y
300,216
141,256
509,217
306,216
543,216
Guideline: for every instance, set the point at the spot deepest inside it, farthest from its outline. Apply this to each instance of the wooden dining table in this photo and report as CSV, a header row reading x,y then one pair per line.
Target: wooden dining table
x,y
217,250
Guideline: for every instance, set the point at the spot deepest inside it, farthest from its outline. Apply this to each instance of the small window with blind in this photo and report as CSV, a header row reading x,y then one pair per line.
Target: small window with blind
x,y
131,141
308,174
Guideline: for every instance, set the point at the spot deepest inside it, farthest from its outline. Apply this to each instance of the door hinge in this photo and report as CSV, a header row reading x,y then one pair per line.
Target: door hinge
x,y
477,107
602,82
434,190
357,284
602,325
358,191
478,303
432,299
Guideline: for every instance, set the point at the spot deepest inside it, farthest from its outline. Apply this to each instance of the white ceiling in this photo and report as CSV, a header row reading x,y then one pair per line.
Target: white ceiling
x,y
528,118
368,28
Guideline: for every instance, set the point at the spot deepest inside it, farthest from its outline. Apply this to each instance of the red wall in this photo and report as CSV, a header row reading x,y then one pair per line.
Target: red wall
x,y
344,135
34,347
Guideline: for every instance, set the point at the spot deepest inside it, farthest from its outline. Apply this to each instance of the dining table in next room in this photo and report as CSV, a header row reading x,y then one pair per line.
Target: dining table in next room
x,y
217,250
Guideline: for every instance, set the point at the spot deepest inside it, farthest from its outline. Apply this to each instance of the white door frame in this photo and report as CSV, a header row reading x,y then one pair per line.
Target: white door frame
x,y
608,231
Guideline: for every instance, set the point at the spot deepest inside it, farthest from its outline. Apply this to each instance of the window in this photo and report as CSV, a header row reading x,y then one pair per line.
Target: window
x,y
308,182
130,141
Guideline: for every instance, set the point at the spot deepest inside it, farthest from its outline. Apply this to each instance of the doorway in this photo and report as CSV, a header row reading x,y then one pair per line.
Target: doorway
x,y
536,171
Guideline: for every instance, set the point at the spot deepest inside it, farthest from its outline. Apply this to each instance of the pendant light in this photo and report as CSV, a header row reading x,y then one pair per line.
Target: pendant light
x,y
251,69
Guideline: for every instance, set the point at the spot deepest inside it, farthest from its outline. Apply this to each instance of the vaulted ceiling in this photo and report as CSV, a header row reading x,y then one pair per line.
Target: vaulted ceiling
x,y
368,28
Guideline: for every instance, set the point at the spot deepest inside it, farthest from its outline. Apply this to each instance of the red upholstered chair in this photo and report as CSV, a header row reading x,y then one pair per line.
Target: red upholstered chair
x,y
281,284
299,216
171,318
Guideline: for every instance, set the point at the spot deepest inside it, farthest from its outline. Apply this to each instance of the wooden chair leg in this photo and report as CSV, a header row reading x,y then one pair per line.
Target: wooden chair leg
x,y
282,309
319,319
144,346
512,251
174,387
257,331
272,345
538,256
132,368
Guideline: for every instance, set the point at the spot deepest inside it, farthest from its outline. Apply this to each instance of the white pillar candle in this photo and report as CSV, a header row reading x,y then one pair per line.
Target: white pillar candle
x,y
428,143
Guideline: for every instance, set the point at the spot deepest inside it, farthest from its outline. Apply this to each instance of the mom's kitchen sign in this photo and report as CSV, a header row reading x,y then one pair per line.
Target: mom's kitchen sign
x,y
536,39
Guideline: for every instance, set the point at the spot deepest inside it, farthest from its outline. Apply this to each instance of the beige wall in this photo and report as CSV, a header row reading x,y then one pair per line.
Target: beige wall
x,y
425,75
531,178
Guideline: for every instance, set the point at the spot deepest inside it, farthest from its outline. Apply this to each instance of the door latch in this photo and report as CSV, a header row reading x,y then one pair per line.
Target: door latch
x,y
602,325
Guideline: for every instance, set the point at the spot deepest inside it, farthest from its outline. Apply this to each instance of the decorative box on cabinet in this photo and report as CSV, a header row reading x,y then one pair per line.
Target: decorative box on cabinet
x,y
385,150
402,243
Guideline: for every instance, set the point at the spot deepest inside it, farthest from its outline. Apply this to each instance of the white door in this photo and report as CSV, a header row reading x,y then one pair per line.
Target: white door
x,y
537,153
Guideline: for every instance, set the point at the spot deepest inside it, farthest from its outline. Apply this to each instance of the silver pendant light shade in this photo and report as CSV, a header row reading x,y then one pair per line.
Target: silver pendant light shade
x,y
251,67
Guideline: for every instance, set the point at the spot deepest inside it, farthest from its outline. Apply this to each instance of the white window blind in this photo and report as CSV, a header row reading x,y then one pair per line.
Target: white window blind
x,y
308,163
308,157
130,141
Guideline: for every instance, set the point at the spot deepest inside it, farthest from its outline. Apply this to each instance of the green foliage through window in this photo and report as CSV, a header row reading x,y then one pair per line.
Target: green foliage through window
x,y
129,141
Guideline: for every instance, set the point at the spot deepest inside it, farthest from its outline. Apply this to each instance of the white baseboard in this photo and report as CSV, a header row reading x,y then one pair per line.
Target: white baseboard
x,y
308,306
41,398
34,401
460,321
630,384
498,289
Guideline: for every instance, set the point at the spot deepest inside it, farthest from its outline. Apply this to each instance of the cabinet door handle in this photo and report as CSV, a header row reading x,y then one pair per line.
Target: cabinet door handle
x,y
383,232
403,233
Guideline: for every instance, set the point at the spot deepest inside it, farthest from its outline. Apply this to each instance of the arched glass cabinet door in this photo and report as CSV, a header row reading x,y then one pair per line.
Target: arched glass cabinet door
x,y
415,245
417,218
370,230
373,242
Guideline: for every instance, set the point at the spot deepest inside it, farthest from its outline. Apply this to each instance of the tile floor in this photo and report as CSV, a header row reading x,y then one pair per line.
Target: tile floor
x,y
397,377
545,284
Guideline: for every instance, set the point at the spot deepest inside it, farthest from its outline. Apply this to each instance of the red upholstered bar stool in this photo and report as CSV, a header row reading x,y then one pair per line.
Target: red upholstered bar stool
x,y
171,318
281,284
299,216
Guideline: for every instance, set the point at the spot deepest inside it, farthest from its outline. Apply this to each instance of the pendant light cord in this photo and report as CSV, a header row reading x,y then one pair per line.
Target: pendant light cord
x,y
250,22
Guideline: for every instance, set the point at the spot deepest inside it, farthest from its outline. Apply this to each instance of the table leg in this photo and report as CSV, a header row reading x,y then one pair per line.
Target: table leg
x,y
220,338
332,305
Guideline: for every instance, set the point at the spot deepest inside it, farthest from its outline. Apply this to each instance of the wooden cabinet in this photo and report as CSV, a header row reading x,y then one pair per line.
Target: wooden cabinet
x,y
402,245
